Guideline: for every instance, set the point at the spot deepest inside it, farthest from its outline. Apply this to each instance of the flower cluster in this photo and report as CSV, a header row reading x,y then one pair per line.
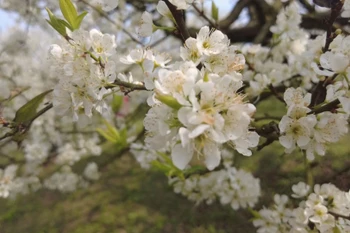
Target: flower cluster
x,y
212,48
327,209
11,184
199,104
195,111
86,69
287,58
64,181
6,180
305,130
230,186
51,138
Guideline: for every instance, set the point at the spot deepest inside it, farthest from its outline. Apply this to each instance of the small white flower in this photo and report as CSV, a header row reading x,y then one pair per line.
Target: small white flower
x,y
102,44
91,171
294,96
210,42
319,214
300,190
297,131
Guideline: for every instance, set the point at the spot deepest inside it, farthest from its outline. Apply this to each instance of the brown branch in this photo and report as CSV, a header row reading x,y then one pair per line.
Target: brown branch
x,y
335,12
234,14
275,93
309,22
339,215
307,6
270,131
179,19
331,106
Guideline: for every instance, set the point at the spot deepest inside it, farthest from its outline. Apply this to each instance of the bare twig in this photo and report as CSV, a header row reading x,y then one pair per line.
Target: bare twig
x,y
204,16
104,15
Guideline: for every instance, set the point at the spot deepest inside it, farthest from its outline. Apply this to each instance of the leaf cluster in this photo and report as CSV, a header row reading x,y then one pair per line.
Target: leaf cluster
x,y
72,18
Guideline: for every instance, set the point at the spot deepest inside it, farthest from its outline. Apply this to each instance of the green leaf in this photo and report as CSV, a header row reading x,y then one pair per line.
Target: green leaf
x,y
28,111
106,135
117,103
51,15
214,11
65,24
111,133
169,100
79,19
69,12
123,137
194,170
167,166
336,229
56,23
255,213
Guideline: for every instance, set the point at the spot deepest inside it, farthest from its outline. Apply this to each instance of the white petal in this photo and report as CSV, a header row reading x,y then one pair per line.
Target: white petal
x,y
181,156
286,141
198,130
212,155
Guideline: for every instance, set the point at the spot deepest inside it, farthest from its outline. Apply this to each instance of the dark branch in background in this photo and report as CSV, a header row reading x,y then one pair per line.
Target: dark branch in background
x,y
234,14
276,93
335,12
270,131
262,16
106,16
308,6
204,16
319,92
339,215
331,106
179,19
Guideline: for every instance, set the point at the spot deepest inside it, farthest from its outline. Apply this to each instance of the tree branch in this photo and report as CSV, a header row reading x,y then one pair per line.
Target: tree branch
x,y
179,19
327,107
234,14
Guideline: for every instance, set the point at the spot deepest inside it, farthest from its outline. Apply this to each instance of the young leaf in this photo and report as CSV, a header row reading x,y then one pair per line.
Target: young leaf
x,y
51,15
214,11
111,133
69,12
117,103
255,213
107,135
56,23
28,111
65,24
169,100
79,19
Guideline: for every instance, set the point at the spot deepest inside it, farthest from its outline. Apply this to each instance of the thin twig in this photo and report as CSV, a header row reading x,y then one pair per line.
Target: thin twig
x,y
203,15
104,15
